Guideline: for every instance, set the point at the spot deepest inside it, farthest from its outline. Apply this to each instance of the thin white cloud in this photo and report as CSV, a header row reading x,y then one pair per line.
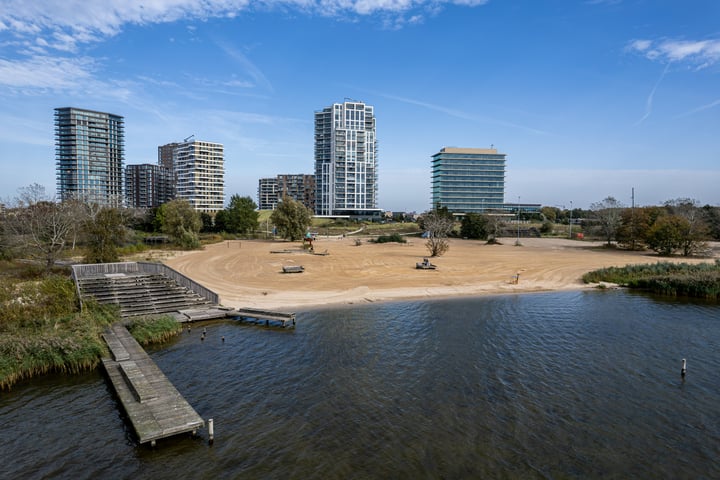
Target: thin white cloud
x,y
39,29
91,21
249,67
45,72
701,108
649,101
460,114
698,53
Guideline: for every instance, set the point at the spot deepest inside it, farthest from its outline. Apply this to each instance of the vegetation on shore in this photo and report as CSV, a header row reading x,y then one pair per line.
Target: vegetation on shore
x,y
700,280
42,329
148,330
393,237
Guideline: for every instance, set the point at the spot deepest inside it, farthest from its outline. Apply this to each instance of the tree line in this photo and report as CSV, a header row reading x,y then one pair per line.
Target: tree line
x,y
678,226
35,226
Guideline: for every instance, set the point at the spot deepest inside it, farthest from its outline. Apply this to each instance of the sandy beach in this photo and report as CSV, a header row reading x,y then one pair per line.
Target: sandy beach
x,y
248,273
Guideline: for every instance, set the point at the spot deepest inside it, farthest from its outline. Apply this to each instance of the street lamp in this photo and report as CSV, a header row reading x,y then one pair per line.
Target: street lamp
x,y
570,221
518,222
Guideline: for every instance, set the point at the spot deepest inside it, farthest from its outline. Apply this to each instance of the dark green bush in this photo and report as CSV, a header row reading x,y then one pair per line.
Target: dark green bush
x,y
395,237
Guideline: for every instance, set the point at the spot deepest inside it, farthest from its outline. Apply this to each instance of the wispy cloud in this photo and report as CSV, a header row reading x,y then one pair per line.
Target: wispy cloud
x,y
44,72
699,109
697,53
47,37
460,114
87,21
249,67
649,101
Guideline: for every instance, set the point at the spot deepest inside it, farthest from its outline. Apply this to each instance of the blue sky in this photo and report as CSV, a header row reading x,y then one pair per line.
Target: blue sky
x,y
588,99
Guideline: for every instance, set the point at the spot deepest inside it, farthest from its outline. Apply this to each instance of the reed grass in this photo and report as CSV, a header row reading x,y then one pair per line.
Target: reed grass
x,y
42,329
68,344
148,330
700,280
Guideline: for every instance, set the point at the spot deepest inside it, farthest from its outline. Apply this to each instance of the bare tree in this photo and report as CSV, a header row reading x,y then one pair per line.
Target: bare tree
x,y
438,224
37,226
608,215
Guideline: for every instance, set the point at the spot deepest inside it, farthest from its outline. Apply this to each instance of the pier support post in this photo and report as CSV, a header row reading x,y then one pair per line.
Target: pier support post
x,y
211,431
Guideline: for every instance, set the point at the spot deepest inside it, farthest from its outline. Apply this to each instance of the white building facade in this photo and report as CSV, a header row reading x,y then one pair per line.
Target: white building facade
x,y
200,174
346,161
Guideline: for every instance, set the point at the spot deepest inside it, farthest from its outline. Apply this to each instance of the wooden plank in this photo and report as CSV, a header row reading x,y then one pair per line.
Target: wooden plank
x,y
154,406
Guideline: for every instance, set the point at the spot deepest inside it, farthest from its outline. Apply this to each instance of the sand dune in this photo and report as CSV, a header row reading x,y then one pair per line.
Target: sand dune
x,y
247,273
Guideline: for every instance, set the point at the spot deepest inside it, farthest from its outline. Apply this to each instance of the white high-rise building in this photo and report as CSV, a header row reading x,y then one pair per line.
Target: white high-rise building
x,y
200,174
346,162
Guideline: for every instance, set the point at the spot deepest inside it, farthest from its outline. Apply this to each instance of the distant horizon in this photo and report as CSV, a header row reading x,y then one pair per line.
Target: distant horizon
x,y
587,100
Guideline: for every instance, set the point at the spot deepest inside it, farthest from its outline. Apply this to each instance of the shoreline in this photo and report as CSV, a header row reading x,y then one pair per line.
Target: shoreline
x,y
248,273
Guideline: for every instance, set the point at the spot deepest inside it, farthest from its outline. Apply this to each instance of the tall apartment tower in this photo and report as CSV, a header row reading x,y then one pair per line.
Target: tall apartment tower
x,y
300,187
165,155
346,162
89,155
468,180
200,174
267,193
148,185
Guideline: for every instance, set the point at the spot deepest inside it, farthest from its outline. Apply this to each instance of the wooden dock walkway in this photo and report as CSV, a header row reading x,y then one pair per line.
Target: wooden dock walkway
x,y
245,314
154,406
264,315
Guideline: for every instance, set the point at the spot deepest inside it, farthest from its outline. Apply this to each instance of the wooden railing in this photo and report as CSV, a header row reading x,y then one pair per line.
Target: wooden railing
x,y
100,269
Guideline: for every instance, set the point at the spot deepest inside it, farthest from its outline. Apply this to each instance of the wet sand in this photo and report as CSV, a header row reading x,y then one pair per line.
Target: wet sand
x,y
248,274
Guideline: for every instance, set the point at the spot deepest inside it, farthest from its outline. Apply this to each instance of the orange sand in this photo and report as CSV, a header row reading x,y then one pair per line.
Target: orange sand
x,y
246,273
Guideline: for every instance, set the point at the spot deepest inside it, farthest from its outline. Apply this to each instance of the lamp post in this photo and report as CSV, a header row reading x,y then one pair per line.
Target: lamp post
x,y
518,222
570,221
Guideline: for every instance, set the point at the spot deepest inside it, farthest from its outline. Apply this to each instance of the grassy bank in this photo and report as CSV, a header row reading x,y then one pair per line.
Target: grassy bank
x,y
42,329
673,279
148,330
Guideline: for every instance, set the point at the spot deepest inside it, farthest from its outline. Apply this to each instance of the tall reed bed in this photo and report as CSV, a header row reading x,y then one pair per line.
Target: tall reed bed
x,y
700,280
41,329
147,330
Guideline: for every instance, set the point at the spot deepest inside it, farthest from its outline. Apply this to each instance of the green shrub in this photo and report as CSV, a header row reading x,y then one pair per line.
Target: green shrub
x,y
700,280
394,237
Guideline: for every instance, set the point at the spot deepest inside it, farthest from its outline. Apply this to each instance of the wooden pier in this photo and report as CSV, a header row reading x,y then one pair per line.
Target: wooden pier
x,y
263,316
154,406
254,315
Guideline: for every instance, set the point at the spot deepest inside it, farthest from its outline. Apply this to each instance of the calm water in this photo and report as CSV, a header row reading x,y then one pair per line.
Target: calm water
x,y
561,385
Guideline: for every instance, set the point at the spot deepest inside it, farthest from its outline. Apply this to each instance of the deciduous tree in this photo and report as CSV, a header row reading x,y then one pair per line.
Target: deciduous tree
x,y
665,235
291,219
607,214
241,215
38,226
474,225
181,222
103,234
437,224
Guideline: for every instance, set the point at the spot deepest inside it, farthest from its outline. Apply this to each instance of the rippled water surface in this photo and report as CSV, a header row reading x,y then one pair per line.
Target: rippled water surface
x,y
560,385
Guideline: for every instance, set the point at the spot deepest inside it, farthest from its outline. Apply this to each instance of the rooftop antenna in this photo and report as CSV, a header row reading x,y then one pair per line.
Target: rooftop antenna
x,y
188,138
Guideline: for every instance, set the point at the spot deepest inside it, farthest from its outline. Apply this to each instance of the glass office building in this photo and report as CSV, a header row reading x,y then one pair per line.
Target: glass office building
x,y
89,156
468,180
